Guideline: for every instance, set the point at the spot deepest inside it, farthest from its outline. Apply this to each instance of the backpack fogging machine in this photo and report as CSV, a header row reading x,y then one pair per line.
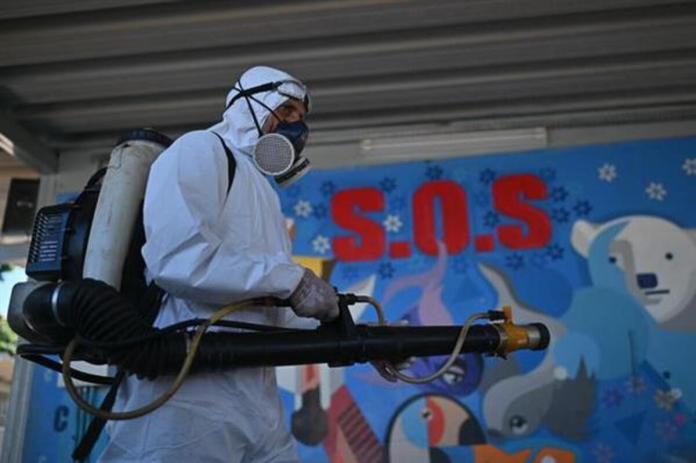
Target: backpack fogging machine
x,y
88,300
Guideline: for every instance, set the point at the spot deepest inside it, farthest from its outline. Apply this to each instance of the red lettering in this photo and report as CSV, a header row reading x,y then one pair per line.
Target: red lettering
x,y
484,243
399,250
346,207
509,194
455,223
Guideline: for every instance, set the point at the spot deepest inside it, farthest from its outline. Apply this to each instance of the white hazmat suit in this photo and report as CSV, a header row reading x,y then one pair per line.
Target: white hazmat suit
x,y
207,248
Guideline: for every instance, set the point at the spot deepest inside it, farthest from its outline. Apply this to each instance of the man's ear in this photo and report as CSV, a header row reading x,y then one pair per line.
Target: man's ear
x,y
582,235
292,229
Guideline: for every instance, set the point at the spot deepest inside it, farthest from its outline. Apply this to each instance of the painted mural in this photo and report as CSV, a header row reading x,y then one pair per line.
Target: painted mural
x,y
597,242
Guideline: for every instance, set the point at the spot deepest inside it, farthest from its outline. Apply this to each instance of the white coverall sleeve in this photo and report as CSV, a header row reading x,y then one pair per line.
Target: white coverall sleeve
x,y
190,252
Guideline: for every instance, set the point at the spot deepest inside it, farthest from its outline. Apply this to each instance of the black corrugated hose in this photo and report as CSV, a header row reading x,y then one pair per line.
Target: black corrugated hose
x,y
102,318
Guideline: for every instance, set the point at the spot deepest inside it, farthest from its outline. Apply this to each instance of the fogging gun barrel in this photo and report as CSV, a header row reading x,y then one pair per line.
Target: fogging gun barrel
x,y
367,343
107,325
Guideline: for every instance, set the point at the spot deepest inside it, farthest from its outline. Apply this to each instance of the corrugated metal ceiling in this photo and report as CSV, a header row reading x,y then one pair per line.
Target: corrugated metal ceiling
x,y
78,73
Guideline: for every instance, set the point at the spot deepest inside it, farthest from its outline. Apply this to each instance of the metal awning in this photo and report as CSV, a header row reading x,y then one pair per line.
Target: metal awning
x,y
76,74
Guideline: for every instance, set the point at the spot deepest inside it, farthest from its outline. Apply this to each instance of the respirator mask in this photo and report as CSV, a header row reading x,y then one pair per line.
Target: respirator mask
x,y
278,153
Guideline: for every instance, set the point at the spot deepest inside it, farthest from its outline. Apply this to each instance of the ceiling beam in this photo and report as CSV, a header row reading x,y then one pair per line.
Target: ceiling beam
x,y
14,9
469,88
25,146
189,26
386,54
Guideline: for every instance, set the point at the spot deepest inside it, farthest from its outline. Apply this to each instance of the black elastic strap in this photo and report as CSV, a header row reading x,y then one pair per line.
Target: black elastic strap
x,y
241,92
231,163
84,448
251,109
58,367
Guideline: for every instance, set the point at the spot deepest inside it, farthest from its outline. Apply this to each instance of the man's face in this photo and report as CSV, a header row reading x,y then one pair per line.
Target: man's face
x,y
291,110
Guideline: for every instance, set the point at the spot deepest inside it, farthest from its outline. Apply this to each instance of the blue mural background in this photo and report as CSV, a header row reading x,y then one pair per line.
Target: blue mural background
x,y
620,381
615,386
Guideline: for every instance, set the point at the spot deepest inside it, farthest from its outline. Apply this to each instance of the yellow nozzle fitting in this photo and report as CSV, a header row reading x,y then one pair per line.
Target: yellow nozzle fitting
x,y
515,337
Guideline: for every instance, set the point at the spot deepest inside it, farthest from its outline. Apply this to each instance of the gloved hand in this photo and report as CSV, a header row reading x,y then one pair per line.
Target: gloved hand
x,y
315,298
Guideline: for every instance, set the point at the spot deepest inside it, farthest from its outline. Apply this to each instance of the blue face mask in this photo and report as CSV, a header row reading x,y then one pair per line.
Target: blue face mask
x,y
297,132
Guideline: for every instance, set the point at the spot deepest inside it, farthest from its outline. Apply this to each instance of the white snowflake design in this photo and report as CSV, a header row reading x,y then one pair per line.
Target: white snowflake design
x,y
303,208
664,399
392,223
689,166
321,244
656,191
607,172
676,393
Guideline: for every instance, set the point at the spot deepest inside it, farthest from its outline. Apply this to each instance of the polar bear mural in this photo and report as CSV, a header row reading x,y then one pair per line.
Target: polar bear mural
x,y
654,261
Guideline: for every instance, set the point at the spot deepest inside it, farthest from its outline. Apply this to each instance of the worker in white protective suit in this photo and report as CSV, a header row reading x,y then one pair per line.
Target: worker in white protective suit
x,y
207,247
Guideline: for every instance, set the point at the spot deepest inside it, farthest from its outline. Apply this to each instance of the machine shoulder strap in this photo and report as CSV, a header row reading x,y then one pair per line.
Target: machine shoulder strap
x,y
231,162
